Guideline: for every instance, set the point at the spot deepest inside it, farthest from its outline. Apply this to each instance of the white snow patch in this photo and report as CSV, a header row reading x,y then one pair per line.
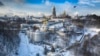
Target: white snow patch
x,y
91,31
23,49
34,49
28,49
68,53
95,29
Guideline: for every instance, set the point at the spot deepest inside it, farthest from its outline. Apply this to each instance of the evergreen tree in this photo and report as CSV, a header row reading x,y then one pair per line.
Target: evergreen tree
x,y
37,54
45,51
53,49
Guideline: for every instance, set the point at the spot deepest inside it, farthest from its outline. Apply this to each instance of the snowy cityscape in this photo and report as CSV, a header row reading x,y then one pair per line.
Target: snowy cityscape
x,y
47,28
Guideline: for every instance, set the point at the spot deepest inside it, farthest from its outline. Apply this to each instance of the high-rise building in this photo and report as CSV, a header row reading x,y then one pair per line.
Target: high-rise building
x,y
54,12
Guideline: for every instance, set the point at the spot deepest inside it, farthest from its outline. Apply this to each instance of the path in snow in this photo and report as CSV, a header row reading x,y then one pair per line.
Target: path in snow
x,y
23,49
28,49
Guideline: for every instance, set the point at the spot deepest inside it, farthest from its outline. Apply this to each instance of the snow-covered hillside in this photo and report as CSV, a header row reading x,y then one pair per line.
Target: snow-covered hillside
x,y
30,49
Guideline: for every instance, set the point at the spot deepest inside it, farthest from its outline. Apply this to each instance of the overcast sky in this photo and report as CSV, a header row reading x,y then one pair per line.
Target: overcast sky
x,y
40,7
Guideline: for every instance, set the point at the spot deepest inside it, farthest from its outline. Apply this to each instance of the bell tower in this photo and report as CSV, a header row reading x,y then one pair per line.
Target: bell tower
x,y
54,11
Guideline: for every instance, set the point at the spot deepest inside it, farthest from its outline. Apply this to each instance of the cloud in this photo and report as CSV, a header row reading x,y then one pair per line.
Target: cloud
x,y
14,8
89,2
1,4
13,1
47,2
86,3
76,13
95,1
19,1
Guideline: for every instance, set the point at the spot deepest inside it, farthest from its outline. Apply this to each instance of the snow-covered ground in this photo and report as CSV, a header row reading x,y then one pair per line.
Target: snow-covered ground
x,y
91,31
28,49
68,53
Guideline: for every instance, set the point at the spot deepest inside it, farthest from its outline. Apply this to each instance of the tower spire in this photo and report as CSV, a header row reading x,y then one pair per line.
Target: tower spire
x,y
54,11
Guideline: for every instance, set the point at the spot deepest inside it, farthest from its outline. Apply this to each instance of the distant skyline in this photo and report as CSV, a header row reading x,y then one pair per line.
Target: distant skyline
x,y
40,7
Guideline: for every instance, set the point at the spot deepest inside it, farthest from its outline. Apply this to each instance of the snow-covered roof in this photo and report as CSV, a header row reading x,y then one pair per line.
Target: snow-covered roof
x,y
62,29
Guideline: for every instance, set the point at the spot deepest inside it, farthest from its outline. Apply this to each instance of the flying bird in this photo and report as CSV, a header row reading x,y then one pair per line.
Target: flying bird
x,y
75,6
